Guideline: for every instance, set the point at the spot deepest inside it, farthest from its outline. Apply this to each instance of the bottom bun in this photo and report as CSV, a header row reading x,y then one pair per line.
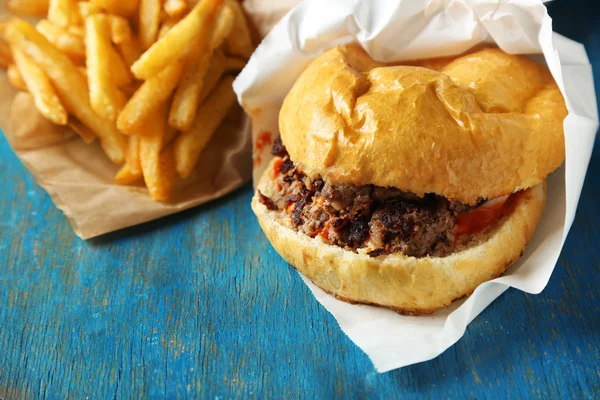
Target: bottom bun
x,y
405,284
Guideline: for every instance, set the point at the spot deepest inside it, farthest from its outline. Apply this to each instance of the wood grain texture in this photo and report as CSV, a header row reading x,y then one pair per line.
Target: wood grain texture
x,y
199,305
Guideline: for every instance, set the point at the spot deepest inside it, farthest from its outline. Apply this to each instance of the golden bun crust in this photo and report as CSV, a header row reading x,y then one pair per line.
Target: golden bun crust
x,y
406,284
485,125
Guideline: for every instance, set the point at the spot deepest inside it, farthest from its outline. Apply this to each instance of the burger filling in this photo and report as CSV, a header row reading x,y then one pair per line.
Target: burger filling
x,y
381,220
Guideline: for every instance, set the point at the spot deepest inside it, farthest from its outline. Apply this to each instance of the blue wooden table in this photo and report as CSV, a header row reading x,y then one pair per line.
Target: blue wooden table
x,y
199,305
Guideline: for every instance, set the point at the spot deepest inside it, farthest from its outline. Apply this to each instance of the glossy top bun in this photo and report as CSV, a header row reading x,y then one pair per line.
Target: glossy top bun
x,y
485,125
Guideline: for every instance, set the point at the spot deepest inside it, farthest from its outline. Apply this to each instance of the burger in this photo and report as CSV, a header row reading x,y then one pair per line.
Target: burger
x,y
407,186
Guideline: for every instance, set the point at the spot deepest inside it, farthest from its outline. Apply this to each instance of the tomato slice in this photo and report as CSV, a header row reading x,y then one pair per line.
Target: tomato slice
x,y
483,216
277,167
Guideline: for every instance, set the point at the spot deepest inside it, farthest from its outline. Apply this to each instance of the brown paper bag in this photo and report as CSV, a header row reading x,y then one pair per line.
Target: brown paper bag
x,y
79,177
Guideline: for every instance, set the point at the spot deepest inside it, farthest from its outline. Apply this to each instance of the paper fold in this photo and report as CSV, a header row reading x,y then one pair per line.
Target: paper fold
x,y
404,30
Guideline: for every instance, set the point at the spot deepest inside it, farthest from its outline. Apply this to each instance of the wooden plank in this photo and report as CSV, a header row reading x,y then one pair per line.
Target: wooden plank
x,y
184,306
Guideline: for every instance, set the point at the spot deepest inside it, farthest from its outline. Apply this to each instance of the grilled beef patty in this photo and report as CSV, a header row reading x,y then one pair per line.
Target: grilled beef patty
x,y
384,220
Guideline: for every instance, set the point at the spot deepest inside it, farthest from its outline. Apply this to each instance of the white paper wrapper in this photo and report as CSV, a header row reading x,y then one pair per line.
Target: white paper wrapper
x,y
404,30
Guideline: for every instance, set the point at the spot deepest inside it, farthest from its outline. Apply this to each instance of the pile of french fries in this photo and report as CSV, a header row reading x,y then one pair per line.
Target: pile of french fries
x,y
150,79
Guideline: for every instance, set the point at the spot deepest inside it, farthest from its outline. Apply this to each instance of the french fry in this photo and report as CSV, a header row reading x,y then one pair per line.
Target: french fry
x,y
149,22
168,48
148,98
186,100
15,78
49,30
76,22
234,64
72,45
223,26
166,26
118,68
38,84
29,7
213,75
239,43
83,71
130,52
83,131
121,77
59,12
126,176
161,188
124,8
157,163
76,30
175,7
86,9
104,97
132,158
120,29
68,82
189,145
5,55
